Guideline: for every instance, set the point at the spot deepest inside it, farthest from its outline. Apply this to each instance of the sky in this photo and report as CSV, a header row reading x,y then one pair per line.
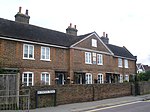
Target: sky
x,y
127,22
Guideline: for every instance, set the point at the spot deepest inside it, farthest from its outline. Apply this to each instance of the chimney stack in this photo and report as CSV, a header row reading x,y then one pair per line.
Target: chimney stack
x,y
103,34
72,30
105,38
19,9
26,12
23,18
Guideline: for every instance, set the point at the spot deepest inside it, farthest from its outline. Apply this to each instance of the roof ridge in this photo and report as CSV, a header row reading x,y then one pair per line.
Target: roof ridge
x,y
35,26
115,45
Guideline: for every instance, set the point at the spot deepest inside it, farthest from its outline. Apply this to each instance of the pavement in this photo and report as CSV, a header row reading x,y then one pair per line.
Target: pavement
x,y
84,106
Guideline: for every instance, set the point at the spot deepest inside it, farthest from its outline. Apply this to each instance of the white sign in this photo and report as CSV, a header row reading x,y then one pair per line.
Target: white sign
x,y
46,92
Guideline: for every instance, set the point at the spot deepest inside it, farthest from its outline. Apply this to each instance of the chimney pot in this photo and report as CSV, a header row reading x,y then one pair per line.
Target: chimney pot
x,y
75,26
27,12
20,9
106,35
103,34
70,25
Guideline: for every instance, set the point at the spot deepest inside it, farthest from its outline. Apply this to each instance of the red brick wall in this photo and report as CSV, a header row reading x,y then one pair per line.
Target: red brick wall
x,y
81,93
11,56
110,64
61,60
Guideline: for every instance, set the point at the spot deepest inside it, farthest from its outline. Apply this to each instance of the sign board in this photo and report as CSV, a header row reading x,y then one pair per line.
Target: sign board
x,y
46,92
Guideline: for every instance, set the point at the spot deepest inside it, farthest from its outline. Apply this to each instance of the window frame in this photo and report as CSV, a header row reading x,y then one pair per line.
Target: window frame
x,y
28,54
88,58
45,82
126,78
99,59
88,78
120,62
45,49
121,78
126,64
94,43
100,79
27,78
94,58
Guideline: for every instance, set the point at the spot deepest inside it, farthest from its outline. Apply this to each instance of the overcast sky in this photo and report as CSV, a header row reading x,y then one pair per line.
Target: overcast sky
x,y
127,22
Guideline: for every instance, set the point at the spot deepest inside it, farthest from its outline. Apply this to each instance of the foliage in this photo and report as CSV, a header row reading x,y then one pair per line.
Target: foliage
x,y
1,71
144,76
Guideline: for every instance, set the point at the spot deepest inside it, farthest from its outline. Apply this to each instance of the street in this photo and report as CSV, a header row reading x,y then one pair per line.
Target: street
x,y
138,106
121,104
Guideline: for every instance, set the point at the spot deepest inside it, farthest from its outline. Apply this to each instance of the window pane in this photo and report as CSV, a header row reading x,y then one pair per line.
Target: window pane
x,y
126,63
99,59
30,51
100,78
30,84
25,75
121,78
119,62
43,53
30,75
94,43
25,83
47,53
86,78
43,77
90,79
25,79
25,51
86,57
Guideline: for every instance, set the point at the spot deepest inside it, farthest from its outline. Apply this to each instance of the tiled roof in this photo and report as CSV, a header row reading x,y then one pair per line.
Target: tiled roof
x,y
21,31
16,30
146,67
120,51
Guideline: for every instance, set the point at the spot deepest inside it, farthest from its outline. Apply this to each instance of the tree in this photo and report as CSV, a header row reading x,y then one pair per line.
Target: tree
x,y
144,76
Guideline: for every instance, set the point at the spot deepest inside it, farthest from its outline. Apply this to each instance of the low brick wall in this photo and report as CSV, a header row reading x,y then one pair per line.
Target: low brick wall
x,y
144,87
103,91
80,93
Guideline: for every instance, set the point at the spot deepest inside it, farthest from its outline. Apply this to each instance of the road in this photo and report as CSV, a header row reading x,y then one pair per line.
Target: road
x,y
138,106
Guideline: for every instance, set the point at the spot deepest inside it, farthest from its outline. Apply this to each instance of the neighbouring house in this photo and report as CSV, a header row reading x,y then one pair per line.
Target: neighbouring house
x,y
49,57
141,68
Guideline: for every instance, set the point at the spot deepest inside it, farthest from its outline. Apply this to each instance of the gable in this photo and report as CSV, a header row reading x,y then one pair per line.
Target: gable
x,y
86,44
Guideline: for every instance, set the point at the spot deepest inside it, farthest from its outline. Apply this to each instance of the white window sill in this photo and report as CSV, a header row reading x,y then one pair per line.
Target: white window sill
x,y
89,63
28,58
45,60
99,64
120,66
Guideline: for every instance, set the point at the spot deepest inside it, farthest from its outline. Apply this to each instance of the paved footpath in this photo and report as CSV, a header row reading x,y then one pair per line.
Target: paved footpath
x,y
79,107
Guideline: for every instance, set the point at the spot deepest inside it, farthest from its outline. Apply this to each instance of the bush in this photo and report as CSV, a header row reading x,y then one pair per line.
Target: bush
x,y
144,76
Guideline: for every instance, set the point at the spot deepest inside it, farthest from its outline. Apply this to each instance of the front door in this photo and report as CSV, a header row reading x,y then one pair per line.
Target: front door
x,y
79,78
60,78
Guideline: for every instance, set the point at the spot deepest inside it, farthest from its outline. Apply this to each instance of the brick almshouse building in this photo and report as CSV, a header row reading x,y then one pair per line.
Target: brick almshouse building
x,y
44,56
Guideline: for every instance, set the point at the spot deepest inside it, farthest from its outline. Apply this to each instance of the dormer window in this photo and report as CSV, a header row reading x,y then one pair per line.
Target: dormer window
x,y
94,43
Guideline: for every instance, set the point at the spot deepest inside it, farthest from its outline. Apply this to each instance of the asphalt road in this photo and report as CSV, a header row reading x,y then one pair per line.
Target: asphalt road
x,y
138,106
